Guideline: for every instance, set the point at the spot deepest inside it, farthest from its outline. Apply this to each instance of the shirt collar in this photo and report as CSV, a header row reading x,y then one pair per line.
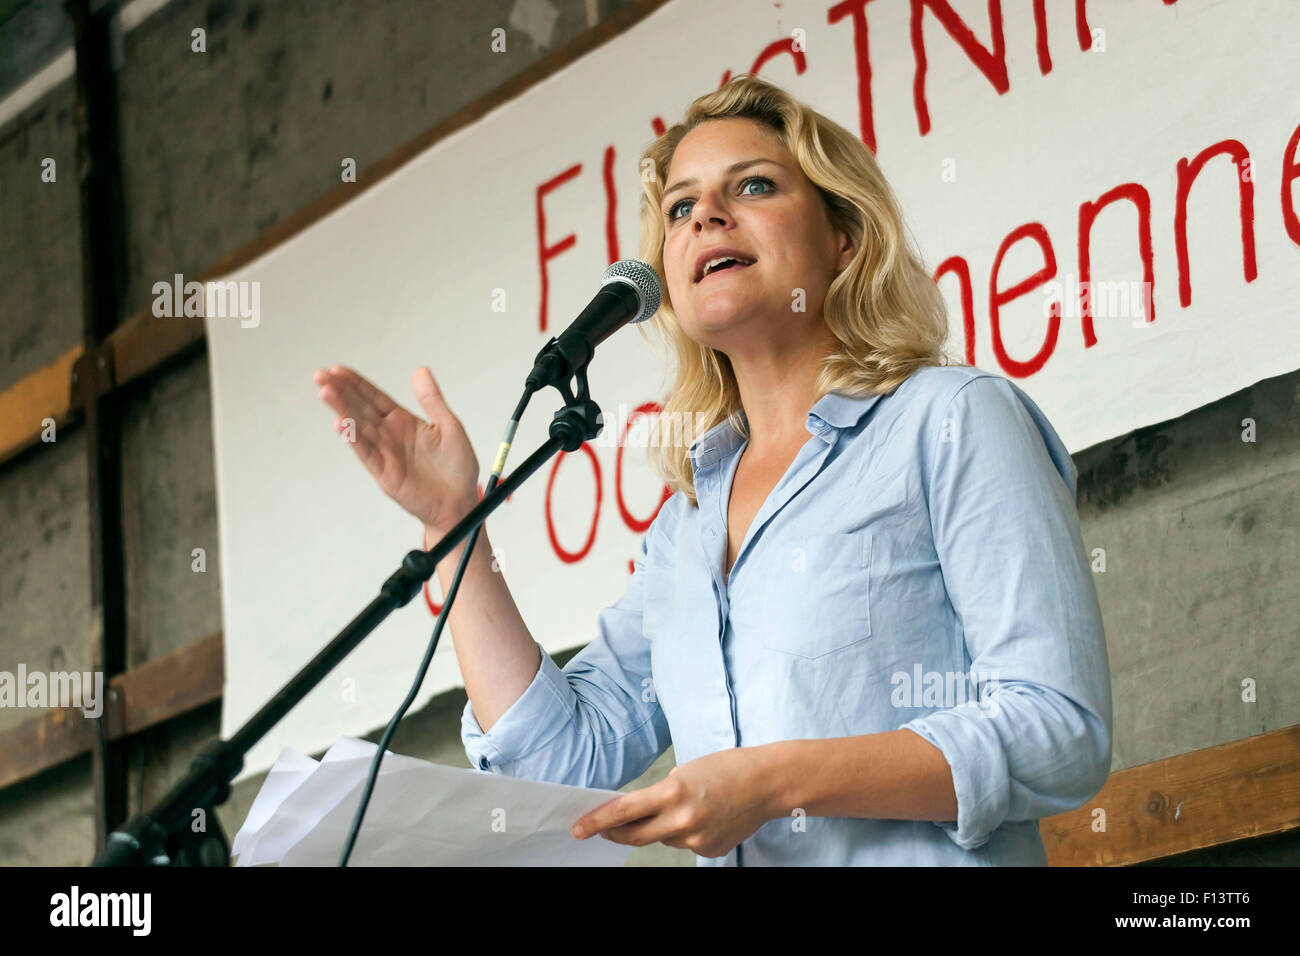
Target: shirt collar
x,y
834,411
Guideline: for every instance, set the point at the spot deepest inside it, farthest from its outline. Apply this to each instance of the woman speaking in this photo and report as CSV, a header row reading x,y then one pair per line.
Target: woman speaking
x,y
865,619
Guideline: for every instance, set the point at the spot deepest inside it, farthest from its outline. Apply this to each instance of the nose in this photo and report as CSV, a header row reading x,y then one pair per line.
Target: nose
x,y
708,209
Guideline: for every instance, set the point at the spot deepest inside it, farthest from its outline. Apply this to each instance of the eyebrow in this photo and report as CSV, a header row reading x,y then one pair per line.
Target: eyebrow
x,y
733,168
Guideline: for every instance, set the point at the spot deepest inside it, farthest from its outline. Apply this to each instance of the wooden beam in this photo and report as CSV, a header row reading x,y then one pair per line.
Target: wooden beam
x,y
174,684
145,343
143,697
1247,788
46,393
103,276
47,740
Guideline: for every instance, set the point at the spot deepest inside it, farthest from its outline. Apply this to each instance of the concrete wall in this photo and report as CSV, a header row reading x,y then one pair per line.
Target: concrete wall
x,y
1198,527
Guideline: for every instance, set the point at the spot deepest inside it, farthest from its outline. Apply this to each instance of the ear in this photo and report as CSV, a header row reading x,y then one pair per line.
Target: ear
x,y
846,250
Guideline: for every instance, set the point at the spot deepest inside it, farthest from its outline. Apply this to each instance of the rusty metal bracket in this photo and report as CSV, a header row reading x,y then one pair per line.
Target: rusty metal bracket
x,y
114,712
93,375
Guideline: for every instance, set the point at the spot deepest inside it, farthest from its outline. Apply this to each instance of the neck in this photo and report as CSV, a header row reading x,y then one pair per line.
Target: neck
x,y
777,389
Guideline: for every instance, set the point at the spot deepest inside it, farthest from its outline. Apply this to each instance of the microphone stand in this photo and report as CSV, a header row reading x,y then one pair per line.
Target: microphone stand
x,y
165,836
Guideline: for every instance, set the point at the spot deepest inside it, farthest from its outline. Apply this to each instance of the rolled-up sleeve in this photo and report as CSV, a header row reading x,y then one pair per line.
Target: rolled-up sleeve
x,y
596,723
1036,738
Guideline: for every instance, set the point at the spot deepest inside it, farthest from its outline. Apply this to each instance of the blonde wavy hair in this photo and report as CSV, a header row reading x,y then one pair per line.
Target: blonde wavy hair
x,y
885,311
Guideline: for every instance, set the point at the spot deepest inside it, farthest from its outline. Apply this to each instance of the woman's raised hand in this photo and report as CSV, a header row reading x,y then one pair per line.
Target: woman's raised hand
x,y
427,467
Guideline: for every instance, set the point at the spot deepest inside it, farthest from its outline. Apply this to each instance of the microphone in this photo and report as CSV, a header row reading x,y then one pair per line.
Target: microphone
x,y
629,292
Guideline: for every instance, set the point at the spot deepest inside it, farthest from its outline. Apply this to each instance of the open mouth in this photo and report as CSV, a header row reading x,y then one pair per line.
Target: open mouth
x,y
725,265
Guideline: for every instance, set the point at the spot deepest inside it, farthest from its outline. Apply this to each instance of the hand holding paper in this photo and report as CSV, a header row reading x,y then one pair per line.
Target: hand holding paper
x,y
420,814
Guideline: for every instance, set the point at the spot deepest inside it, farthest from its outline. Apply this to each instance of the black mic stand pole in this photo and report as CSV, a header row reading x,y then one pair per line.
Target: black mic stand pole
x,y
165,836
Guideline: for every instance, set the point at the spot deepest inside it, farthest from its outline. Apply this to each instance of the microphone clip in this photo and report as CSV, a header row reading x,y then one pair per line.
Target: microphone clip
x,y
580,420
558,360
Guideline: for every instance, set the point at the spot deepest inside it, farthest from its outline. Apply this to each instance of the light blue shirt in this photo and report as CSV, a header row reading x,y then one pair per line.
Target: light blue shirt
x,y
919,565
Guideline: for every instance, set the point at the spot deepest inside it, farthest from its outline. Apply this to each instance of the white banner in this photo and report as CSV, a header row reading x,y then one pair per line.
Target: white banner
x,y
1149,141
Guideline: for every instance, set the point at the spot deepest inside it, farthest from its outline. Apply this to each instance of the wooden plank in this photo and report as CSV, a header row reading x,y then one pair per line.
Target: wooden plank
x,y
103,271
145,343
43,394
176,683
1246,788
44,741
143,697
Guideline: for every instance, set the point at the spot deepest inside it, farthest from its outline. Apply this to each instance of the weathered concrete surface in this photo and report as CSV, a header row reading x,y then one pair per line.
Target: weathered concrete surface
x,y
49,820
169,510
44,563
219,146
40,237
1200,589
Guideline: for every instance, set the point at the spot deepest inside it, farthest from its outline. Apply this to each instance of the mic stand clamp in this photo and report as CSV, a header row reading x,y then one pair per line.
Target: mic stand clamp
x,y
580,419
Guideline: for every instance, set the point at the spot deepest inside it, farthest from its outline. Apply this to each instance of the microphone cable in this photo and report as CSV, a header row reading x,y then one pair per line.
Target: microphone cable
x,y
498,466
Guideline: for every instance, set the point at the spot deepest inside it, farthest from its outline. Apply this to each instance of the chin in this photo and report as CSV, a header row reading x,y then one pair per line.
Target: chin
x,y
714,331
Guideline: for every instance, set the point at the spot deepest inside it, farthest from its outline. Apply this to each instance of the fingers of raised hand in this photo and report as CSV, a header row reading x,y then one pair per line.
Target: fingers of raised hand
x,y
347,396
360,421
427,392
363,388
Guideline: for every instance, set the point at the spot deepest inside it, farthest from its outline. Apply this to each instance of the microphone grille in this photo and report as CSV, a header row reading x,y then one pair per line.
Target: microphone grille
x,y
643,278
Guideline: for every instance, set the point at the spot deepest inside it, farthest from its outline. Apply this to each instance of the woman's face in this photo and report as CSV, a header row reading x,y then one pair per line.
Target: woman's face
x,y
768,212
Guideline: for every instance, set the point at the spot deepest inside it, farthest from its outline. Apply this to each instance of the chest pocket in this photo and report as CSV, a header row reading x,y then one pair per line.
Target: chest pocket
x,y
816,594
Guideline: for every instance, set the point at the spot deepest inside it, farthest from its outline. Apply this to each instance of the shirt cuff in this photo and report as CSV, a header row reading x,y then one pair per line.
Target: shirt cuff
x,y
543,710
980,775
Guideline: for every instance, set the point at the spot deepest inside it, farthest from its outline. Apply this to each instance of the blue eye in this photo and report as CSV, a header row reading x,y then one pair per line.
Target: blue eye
x,y
672,210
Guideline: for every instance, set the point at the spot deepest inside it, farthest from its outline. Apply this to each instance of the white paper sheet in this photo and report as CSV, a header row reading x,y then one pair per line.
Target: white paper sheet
x,y
288,773
420,814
